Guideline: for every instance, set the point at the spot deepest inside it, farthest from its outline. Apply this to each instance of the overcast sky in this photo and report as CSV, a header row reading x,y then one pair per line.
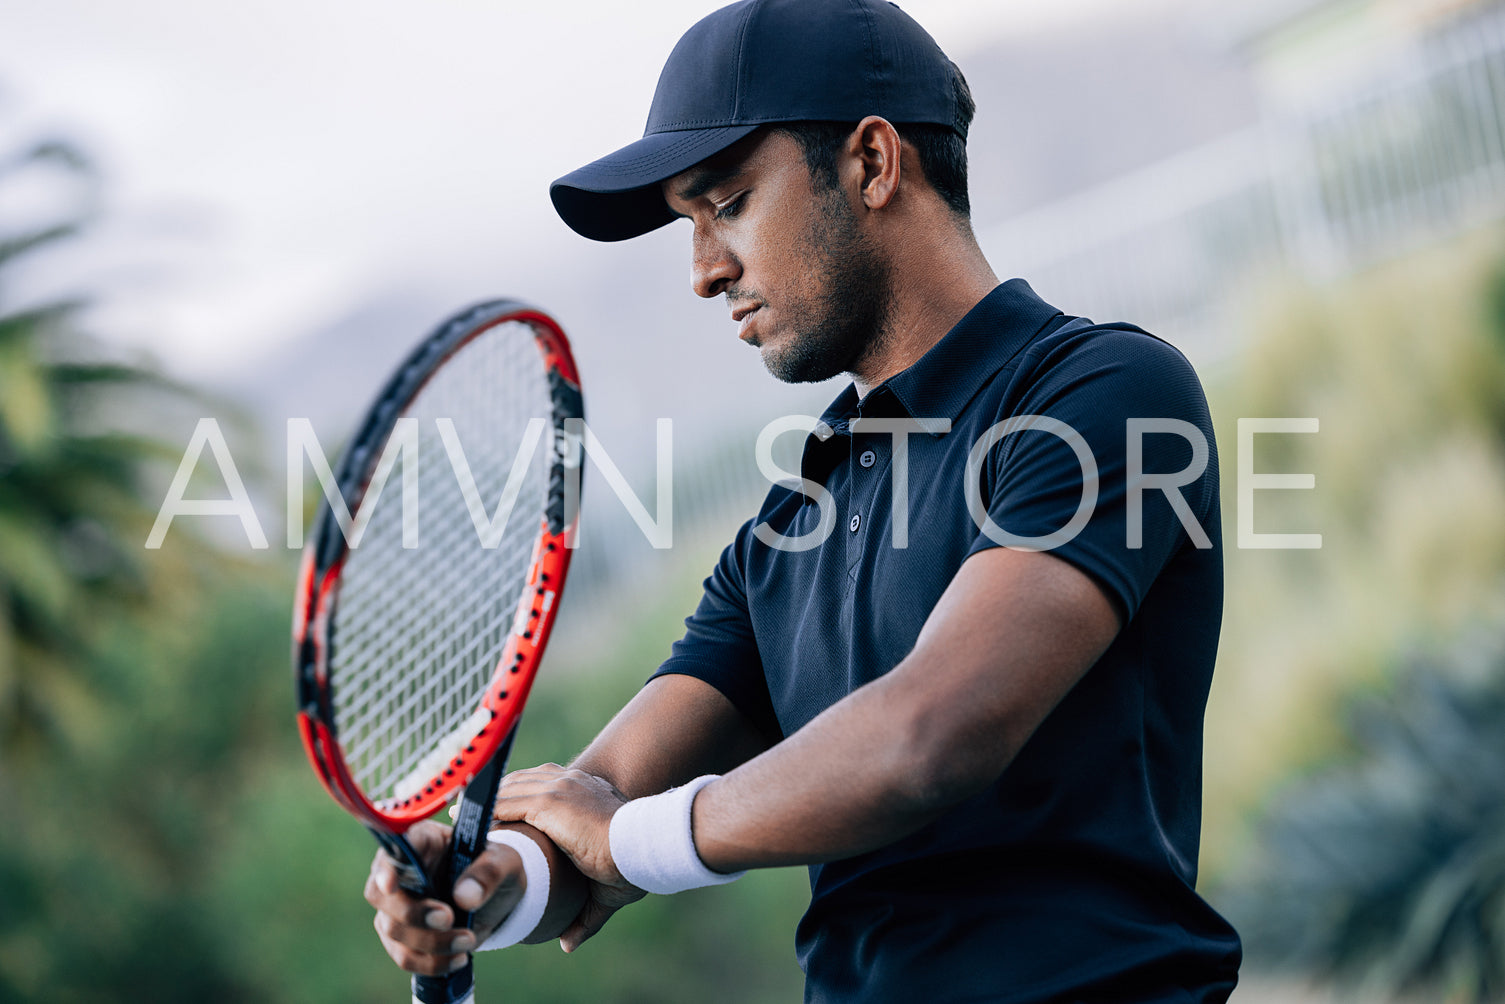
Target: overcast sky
x,y
267,165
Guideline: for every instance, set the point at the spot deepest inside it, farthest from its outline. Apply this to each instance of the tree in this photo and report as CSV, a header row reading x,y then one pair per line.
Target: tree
x,y
72,500
1387,872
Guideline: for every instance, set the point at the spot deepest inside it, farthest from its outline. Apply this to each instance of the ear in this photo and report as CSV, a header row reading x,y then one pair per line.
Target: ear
x,y
875,145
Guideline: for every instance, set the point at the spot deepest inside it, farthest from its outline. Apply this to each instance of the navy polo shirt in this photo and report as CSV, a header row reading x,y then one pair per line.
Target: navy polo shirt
x,y
1071,877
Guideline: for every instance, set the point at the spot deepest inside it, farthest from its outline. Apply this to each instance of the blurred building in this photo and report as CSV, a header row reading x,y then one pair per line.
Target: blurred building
x,y
1379,129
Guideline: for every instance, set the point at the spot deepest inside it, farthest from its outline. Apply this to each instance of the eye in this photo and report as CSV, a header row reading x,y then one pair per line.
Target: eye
x,y
732,208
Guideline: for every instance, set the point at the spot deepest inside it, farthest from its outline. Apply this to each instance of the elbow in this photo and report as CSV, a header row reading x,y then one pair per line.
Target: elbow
x,y
943,759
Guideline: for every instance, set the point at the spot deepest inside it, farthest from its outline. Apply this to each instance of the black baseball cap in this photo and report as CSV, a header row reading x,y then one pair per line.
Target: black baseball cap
x,y
749,64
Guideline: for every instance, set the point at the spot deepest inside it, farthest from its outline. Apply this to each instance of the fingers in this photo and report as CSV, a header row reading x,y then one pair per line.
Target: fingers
x,y
520,783
551,776
424,924
396,940
384,892
593,916
429,841
418,932
572,807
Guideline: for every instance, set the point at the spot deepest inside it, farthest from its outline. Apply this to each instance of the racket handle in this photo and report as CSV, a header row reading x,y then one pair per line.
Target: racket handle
x,y
456,988
469,840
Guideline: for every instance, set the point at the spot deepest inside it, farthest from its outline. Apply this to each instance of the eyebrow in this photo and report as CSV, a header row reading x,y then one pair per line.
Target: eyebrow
x,y
706,179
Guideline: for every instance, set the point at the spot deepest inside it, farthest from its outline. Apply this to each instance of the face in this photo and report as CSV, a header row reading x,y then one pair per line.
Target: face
x,y
808,287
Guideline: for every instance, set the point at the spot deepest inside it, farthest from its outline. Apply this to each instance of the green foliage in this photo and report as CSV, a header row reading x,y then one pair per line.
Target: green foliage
x,y
72,510
172,843
1387,872
1380,867
187,852
122,831
1404,366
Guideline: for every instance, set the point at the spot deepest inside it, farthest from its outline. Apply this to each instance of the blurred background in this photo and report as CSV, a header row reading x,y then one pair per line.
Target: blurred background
x,y
249,211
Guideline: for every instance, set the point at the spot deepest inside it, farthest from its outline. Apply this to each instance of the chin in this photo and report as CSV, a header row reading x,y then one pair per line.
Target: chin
x,y
792,368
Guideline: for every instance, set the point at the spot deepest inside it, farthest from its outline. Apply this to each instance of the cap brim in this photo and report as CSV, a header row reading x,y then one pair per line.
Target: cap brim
x,y
618,196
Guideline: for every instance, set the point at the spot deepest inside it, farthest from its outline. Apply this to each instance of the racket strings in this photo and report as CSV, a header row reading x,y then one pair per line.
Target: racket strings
x,y
428,631
428,625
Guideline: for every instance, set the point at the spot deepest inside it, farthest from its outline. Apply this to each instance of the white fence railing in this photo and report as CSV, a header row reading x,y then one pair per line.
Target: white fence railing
x,y
1356,176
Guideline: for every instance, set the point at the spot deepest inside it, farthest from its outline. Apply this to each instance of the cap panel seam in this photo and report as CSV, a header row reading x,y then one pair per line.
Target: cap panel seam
x,y
741,79
875,79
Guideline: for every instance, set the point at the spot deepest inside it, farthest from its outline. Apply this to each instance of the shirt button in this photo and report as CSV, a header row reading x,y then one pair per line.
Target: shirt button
x,y
868,458
856,522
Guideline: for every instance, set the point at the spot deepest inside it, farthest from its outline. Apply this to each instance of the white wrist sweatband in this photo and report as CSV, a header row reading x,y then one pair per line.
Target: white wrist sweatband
x,y
529,910
653,846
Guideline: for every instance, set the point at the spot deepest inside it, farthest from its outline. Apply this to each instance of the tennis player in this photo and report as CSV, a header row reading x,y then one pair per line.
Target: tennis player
x,y
959,667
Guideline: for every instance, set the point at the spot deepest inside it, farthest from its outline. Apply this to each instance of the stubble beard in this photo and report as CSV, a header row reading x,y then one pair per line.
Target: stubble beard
x,y
846,322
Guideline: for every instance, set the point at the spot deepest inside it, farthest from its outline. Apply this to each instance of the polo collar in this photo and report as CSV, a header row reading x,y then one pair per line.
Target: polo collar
x,y
946,378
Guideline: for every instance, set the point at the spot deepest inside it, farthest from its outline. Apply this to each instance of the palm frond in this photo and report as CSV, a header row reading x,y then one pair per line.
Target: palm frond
x,y
14,247
1387,872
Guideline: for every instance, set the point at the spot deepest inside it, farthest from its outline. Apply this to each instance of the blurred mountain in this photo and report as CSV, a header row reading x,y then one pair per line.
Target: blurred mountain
x,y
330,373
1057,113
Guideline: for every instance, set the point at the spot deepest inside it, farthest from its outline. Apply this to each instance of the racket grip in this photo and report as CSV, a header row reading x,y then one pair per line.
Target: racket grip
x,y
456,988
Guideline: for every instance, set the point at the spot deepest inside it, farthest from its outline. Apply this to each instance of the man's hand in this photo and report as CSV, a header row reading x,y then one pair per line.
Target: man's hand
x,y
418,933
574,809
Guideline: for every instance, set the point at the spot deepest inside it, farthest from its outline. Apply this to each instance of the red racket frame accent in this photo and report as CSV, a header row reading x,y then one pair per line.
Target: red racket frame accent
x,y
507,693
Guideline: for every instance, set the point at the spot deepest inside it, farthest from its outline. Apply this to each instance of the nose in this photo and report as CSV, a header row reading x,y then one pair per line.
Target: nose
x,y
713,267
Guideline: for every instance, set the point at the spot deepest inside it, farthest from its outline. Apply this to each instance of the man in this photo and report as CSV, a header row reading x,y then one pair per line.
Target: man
x,y
960,669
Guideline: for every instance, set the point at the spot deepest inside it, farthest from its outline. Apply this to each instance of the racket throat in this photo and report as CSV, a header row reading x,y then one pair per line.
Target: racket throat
x,y
473,821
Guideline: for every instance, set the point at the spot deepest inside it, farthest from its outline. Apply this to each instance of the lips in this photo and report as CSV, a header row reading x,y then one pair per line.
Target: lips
x,y
744,315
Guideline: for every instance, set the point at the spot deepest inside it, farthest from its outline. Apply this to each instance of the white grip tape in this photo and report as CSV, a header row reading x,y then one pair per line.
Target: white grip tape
x,y
653,846
529,910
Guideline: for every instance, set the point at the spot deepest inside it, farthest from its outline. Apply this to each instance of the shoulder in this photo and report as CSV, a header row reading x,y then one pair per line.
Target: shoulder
x,y
1081,345
1114,369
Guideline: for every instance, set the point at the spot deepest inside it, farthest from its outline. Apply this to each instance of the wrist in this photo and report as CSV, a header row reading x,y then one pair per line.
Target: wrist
x,y
653,842
529,910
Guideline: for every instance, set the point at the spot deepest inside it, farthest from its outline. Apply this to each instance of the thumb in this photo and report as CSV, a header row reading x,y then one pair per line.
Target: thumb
x,y
499,869
592,918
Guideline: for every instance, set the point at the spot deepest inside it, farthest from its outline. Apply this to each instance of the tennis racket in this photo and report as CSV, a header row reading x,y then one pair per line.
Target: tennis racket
x,y
418,624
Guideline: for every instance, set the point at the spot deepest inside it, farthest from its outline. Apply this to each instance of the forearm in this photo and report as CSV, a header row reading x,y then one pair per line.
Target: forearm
x,y
849,782
1003,646
675,729
1009,638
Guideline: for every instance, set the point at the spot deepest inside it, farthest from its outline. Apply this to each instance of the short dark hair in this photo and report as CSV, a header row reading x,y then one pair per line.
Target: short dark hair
x,y
941,149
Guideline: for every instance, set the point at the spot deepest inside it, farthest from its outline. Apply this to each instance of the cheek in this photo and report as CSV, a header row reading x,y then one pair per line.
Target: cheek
x,y
778,255
783,238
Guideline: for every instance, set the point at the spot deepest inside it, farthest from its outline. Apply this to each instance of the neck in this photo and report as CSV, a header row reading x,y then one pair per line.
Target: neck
x,y
935,282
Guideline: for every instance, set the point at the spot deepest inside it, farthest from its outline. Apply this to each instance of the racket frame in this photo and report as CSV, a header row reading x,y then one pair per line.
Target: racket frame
x,y
477,769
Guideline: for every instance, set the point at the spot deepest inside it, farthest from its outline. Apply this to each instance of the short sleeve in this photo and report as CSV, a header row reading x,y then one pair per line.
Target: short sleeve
x,y
718,645
1093,385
